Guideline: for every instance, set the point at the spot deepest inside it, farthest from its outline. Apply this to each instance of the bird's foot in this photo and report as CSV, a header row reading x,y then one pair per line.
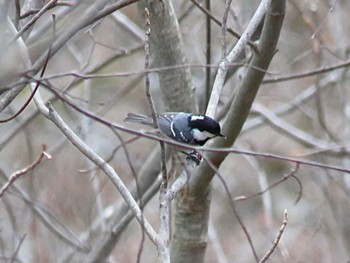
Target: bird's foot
x,y
194,156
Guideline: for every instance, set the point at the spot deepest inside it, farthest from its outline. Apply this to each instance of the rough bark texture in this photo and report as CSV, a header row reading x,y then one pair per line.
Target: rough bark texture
x,y
190,227
167,50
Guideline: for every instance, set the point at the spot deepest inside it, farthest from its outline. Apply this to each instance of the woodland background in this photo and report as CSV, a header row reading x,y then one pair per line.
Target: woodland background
x,y
63,209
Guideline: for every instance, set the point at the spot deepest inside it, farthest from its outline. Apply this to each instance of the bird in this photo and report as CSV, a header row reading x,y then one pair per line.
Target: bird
x,y
184,127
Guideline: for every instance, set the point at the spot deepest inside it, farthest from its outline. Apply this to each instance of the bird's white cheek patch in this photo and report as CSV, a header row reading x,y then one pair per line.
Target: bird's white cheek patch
x,y
201,135
196,117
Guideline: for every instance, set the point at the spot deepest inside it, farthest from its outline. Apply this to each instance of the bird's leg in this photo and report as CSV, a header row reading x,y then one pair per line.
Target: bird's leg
x,y
194,156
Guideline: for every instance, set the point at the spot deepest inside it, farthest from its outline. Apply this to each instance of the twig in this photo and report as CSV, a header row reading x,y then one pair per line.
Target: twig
x,y
140,72
49,5
233,55
278,238
224,30
202,149
207,53
324,20
284,178
49,112
15,253
293,104
138,190
217,21
35,89
92,13
288,129
164,228
186,146
26,103
25,170
309,73
52,223
17,14
147,82
266,199
35,11
180,181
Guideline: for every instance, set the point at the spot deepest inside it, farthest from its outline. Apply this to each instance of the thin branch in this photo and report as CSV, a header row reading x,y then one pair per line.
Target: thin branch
x,y
263,183
284,178
49,112
307,94
53,116
156,137
224,29
181,181
138,190
35,11
149,182
17,14
309,73
92,14
25,170
325,18
164,228
288,129
217,21
207,54
140,72
30,23
26,103
233,56
278,238
15,253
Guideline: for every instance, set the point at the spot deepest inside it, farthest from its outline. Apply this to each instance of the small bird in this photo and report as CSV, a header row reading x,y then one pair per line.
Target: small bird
x,y
189,128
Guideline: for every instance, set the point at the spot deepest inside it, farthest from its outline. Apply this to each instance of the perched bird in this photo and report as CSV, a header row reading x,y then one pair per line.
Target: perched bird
x,y
189,128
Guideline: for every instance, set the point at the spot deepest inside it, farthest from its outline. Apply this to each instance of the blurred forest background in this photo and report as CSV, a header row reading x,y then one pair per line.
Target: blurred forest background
x,y
62,209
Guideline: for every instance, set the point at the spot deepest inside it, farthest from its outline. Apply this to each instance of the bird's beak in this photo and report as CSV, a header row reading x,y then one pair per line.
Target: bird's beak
x,y
221,135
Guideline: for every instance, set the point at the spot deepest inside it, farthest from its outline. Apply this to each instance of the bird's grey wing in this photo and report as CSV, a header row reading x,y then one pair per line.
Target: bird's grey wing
x,y
165,124
181,128
175,126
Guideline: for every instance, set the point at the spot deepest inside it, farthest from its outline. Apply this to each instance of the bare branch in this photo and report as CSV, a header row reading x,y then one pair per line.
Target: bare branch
x,y
278,238
15,253
233,55
199,149
284,178
25,170
30,23
53,116
224,30
164,209
309,73
288,129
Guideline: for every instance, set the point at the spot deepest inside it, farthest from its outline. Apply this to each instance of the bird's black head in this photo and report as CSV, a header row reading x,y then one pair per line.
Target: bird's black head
x,y
205,124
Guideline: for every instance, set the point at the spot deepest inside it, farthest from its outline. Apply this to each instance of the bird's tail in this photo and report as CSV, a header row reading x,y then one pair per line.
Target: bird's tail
x,y
139,118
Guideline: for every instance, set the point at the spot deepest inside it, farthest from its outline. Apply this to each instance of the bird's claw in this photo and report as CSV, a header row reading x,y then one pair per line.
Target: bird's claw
x,y
194,156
